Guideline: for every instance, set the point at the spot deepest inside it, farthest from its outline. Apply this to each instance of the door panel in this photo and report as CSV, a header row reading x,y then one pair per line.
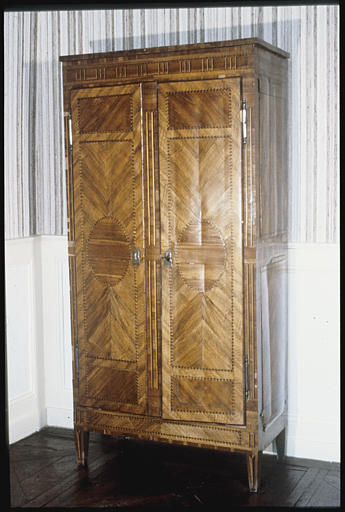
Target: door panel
x,y
107,184
202,291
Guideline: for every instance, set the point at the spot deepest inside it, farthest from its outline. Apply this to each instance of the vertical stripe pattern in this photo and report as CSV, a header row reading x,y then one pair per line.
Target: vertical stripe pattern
x,y
35,197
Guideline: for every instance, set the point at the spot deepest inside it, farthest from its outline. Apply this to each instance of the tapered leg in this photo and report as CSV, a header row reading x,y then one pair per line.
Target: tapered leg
x,y
82,446
280,446
254,469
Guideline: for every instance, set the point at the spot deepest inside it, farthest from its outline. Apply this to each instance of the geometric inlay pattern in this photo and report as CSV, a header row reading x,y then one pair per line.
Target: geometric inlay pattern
x,y
199,109
197,394
200,255
108,251
105,114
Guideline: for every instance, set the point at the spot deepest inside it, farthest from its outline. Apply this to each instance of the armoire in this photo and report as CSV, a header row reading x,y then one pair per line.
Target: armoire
x,y
177,196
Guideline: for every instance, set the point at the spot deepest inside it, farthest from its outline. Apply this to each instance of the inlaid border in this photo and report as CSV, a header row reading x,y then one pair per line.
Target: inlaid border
x,y
175,269
151,68
89,366
199,92
130,119
158,429
203,379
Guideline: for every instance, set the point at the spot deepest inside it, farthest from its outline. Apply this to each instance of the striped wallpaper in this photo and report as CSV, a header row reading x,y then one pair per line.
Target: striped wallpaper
x,y
35,201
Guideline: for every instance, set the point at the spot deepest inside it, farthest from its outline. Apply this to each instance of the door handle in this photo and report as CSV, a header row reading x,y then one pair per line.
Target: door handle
x,y
168,259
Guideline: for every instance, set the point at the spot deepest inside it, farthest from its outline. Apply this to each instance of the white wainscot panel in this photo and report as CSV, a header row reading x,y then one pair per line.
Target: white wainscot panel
x,y
57,331
314,352
39,355
313,430
23,340
19,329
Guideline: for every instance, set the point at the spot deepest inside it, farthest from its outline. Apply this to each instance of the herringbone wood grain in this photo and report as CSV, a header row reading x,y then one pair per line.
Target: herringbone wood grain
x,y
200,177
108,212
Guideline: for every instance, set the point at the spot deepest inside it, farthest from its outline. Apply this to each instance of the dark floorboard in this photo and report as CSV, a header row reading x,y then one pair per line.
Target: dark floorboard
x,y
127,474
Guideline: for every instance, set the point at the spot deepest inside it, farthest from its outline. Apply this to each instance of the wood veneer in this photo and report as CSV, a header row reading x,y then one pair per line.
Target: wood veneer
x,y
191,351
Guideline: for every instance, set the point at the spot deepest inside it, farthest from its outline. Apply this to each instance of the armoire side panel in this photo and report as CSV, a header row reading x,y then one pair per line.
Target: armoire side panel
x,y
272,238
108,226
202,291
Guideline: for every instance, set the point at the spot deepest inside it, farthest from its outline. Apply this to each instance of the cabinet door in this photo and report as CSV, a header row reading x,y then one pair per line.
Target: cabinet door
x,y
108,226
202,291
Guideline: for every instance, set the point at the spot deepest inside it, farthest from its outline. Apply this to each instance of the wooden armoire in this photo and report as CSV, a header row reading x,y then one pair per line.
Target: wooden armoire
x,y
177,186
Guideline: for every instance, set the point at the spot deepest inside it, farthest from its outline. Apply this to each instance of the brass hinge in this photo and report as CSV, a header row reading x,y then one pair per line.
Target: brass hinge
x,y
246,376
262,417
243,117
76,350
69,119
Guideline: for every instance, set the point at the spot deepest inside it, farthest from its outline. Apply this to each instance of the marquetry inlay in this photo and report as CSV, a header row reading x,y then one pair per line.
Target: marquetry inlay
x,y
108,251
201,255
150,178
200,395
102,114
152,330
199,109
111,384
178,154
172,431
116,70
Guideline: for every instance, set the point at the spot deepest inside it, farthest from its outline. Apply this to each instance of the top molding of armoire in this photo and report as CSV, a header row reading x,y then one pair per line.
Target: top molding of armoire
x,y
195,47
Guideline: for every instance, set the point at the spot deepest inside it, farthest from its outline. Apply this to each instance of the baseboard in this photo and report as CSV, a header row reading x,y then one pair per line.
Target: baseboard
x,y
312,463
311,439
59,417
25,417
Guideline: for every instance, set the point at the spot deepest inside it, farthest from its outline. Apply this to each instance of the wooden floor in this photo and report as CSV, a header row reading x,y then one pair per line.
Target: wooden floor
x,y
134,475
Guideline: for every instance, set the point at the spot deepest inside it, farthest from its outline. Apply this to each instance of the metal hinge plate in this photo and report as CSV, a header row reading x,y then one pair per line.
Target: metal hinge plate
x,y
246,376
77,360
69,119
243,117
263,420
